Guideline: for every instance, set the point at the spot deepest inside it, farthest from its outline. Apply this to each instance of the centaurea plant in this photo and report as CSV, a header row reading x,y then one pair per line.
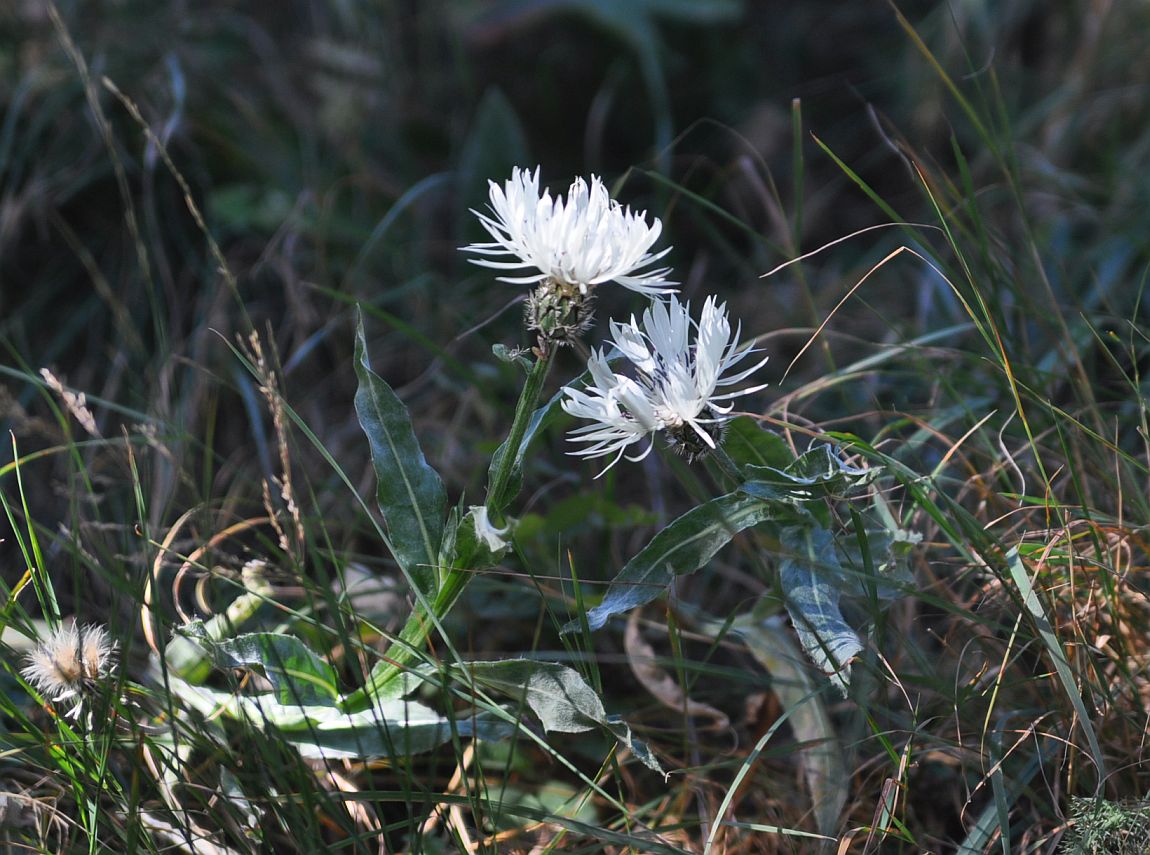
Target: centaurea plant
x,y
665,373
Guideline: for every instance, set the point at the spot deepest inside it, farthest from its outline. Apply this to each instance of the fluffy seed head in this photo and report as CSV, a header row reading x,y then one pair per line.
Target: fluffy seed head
x,y
70,661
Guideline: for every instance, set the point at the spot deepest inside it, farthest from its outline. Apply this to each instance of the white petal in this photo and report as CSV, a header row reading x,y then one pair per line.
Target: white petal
x,y
585,239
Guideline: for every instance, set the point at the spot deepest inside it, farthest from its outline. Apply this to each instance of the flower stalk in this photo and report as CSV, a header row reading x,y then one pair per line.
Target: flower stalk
x,y
499,483
407,647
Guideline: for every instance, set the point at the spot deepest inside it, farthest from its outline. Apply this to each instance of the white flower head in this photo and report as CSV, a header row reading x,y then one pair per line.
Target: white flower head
x,y
682,369
71,661
580,242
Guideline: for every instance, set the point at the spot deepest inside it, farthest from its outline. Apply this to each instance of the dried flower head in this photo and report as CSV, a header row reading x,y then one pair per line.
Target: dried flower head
x,y
580,242
676,388
71,661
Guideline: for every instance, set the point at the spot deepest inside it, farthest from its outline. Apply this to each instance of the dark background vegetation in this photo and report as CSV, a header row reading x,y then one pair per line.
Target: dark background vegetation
x,y
334,150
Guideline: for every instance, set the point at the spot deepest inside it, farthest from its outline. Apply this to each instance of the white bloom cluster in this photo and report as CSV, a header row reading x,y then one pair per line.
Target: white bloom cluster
x,y
682,370
678,385
583,241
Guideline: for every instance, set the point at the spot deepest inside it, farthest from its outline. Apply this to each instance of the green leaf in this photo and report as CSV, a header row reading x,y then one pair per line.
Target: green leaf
x,y
495,142
297,674
187,657
809,576
558,798
392,728
473,542
559,696
409,492
886,575
580,512
748,443
681,548
512,356
821,757
814,474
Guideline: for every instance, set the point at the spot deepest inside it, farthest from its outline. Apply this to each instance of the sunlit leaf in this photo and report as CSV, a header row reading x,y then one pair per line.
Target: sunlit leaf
x,y
558,695
681,548
409,492
821,755
297,674
392,728
809,577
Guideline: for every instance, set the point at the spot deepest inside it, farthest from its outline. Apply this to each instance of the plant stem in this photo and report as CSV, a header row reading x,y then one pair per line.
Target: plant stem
x,y
726,464
508,458
502,486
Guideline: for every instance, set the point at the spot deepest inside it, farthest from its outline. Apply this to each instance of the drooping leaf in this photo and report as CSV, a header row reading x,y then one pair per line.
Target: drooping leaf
x,y
681,548
887,576
558,695
821,758
409,492
297,674
809,576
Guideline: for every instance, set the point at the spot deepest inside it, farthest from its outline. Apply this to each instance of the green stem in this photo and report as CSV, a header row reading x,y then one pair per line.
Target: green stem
x,y
508,458
408,646
727,465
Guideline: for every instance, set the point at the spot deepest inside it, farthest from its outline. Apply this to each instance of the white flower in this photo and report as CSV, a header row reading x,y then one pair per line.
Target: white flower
x,y
582,242
677,386
70,661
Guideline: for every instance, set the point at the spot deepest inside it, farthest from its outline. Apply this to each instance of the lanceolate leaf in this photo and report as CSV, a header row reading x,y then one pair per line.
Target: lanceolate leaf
x,y
817,472
810,577
681,548
409,492
297,674
394,728
559,696
821,759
